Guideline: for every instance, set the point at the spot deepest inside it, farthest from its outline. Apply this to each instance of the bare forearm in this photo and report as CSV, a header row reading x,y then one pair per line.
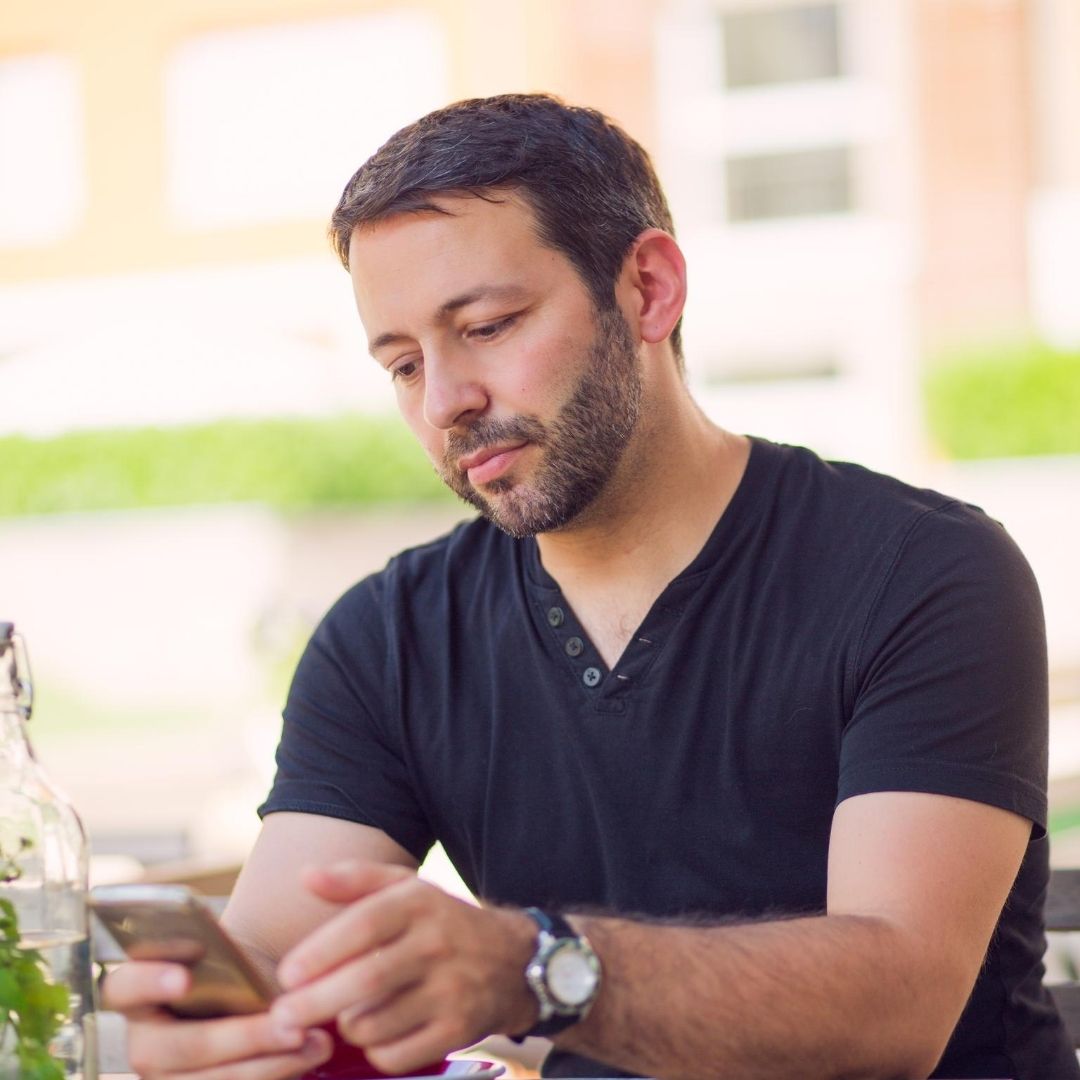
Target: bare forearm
x,y
264,955
836,996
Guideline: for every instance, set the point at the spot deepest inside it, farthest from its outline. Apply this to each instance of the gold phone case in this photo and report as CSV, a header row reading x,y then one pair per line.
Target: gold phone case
x,y
168,922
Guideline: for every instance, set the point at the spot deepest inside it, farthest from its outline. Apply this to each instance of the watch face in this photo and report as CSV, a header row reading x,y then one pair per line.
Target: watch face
x,y
571,978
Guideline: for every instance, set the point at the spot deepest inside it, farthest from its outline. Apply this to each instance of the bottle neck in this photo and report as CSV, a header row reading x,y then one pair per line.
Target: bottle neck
x,y
14,745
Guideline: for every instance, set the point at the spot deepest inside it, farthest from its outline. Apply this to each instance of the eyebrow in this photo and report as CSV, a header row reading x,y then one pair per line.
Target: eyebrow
x,y
455,303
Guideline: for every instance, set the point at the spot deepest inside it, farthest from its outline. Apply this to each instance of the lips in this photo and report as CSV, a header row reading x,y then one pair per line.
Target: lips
x,y
490,463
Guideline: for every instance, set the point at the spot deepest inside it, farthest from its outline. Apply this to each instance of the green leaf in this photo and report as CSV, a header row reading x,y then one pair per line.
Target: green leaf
x,y
35,1063
31,1005
8,923
9,986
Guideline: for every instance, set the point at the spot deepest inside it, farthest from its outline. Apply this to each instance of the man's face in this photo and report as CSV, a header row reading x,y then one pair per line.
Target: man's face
x,y
521,393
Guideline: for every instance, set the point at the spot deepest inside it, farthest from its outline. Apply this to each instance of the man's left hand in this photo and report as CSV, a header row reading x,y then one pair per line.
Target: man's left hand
x,y
409,972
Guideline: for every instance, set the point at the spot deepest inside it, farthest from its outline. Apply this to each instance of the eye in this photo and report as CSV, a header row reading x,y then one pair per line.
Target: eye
x,y
492,330
406,371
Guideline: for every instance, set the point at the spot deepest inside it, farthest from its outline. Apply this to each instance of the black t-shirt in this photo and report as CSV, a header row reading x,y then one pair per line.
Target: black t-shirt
x,y
840,633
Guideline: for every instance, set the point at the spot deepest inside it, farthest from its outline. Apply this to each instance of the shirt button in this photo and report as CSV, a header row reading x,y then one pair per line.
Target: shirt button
x,y
591,677
574,646
555,616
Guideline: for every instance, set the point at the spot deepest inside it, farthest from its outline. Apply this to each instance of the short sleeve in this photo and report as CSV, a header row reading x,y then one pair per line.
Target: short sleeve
x,y
338,754
949,685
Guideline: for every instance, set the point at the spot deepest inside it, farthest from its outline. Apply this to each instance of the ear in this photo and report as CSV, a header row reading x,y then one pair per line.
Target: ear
x,y
654,282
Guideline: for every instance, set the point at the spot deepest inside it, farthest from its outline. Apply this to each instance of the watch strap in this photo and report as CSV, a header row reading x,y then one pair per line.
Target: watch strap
x,y
557,928
545,1029
551,922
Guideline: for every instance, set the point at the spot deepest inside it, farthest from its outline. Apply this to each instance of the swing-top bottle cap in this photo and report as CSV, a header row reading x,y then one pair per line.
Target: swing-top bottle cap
x,y
17,685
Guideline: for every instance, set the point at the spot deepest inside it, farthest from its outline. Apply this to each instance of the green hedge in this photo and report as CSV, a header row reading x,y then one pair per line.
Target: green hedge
x,y
346,461
1005,401
995,402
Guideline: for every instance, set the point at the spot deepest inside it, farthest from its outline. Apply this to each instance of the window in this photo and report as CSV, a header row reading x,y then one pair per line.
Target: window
x,y
42,188
753,369
781,45
790,184
268,123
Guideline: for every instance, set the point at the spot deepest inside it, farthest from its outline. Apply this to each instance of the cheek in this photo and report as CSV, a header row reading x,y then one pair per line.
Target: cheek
x,y
432,443
547,373
429,438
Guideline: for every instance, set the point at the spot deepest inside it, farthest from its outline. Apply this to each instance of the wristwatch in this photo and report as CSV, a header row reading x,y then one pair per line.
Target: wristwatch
x,y
563,974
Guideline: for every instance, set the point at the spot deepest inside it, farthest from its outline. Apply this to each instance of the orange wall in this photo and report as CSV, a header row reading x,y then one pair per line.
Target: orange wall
x,y
594,52
974,125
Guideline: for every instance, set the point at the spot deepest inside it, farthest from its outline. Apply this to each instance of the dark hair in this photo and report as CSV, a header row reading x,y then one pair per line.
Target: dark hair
x,y
591,187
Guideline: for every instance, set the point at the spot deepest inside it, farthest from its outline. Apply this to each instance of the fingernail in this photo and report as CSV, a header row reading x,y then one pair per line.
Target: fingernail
x,y
289,974
173,981
313,1046
289,1036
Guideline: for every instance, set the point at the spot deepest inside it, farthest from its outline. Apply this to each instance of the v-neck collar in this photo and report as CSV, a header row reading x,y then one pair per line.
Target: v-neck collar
x,y
608,690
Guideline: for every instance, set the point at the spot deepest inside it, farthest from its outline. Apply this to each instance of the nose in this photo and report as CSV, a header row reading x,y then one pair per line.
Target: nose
x,y
451,392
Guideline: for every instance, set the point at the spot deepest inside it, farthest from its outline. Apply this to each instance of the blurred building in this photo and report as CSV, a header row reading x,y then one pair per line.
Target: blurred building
x,y
856,182
869,183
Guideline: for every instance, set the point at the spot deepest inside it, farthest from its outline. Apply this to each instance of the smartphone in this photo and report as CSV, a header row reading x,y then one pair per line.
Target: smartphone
x,y
168,922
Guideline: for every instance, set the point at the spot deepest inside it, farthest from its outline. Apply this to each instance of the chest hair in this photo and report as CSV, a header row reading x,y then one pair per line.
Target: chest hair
x,y
610,621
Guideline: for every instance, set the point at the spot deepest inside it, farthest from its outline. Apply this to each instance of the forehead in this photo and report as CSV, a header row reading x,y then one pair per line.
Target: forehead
x,y
411,263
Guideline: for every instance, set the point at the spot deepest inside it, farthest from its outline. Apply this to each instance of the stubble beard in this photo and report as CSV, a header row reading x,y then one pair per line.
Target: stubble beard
x,y
581,448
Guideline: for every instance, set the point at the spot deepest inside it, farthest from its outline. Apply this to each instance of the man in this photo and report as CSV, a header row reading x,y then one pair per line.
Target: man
x,y
762,738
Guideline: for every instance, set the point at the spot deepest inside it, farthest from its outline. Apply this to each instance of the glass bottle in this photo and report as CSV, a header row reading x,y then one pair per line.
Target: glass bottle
x,y
46,984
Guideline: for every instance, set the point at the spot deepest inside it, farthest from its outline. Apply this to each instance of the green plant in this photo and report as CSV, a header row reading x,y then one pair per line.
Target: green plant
x,y
344,461
1005,400
32,1008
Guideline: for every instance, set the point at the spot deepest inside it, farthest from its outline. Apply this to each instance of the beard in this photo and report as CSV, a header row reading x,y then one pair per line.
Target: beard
x,y
581,447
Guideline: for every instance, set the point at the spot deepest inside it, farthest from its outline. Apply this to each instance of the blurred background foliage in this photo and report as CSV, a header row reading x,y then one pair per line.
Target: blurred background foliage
x,y
1013,399
353,461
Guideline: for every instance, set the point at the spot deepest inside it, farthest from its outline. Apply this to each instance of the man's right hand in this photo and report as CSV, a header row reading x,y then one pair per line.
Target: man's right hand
x,y
269,912
230,1048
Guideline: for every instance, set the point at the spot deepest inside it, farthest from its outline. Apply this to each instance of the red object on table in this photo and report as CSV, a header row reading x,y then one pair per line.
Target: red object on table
x,y
349,1062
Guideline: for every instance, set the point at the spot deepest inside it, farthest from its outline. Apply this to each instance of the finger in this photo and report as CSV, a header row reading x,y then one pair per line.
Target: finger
x,y
425,1046
392,1021
141,984
316,1049
156,1048
352,879
362,984
362,927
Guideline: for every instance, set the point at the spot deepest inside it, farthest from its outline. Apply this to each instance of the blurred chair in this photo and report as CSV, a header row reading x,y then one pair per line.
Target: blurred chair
x,y
148,846
1063,947
209,878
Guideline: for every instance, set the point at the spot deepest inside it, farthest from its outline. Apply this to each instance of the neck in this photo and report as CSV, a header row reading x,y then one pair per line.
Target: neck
x,y
675,481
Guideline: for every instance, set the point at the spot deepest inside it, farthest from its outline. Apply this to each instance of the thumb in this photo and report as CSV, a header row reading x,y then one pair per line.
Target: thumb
x,y
351,879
